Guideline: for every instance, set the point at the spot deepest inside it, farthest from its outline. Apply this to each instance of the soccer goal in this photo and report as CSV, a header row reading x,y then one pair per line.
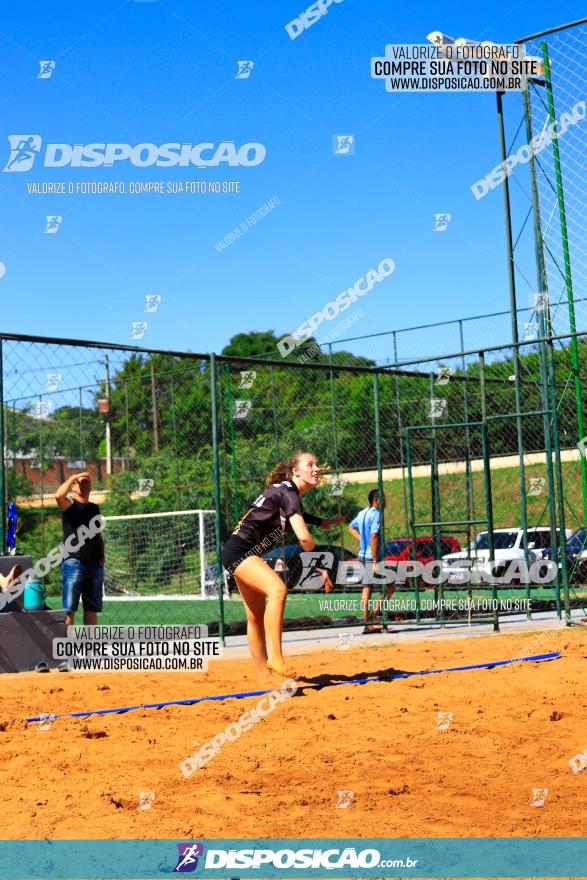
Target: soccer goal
x,y
169,554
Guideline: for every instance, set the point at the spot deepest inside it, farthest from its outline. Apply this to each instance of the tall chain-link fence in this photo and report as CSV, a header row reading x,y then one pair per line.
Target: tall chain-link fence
x,y
560,171
458,446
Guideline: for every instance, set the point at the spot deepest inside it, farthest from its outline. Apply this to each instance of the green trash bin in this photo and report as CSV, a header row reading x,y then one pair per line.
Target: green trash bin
x,y
35,595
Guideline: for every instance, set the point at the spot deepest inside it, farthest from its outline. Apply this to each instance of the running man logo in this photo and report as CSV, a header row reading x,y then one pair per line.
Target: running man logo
x,y
153,301
43,408
138,329
537,485
443,377
444,719
244,69
46,69
241,409
145,487
23,151
45,721
441,222
337,485
53,222
438,406
146,798
313,563
188,855
53,380
539,795
345,799
343,144
247,378
539,301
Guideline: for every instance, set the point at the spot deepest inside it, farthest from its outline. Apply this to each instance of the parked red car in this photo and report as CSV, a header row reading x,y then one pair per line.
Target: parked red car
x,y
400,550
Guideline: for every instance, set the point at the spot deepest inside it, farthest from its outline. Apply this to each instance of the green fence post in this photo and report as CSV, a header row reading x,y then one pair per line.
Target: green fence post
x,y
412,516
545,330
435,504
398,410
559,481
514,323
233,445
469,496
216,467
175,448
379,483
274,407
278,454
131,554
487,484
177,478
335,439
568,277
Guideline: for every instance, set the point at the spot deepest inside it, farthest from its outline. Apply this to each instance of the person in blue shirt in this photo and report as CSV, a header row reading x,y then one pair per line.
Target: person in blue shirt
x,y
366,527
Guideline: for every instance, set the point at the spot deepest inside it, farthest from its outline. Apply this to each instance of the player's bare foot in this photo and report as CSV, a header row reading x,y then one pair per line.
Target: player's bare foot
x,y
280,668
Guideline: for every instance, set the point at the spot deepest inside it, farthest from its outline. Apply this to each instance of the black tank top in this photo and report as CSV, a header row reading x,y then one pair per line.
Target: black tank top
x,y
267,517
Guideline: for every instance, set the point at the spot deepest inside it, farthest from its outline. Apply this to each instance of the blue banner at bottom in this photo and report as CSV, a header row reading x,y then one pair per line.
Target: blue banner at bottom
x,y
288,857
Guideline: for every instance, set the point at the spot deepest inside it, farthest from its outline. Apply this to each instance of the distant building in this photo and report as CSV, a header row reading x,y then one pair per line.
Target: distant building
x,y
58,468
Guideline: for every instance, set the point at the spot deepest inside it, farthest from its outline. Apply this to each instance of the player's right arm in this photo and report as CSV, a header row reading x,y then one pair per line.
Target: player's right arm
x,y
374,538
61,496
374,546
300,528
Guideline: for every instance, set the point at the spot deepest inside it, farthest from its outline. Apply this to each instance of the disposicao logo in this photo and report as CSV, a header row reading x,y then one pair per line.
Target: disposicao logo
x,y
24,149
188,855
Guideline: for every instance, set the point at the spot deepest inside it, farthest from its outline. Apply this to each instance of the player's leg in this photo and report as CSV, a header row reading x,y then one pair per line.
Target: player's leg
x,y
254,573
254,603
93,581
72,583
369,613
365,597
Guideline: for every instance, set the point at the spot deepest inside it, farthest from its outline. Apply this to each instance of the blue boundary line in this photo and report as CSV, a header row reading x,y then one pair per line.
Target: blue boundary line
x,y
555,655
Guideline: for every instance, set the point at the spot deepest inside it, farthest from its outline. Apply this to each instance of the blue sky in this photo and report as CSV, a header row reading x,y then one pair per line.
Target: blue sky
x,y
135,72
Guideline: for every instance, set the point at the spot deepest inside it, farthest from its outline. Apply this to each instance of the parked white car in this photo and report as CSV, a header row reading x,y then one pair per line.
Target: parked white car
x,y
508,546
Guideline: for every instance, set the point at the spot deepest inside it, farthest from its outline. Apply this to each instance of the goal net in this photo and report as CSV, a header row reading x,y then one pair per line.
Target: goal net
x,y
155,554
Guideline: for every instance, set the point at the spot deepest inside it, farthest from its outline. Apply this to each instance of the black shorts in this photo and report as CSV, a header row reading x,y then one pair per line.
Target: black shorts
x,y
234,551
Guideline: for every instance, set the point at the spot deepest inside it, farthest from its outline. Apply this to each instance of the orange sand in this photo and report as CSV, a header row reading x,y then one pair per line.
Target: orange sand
x,y
514,729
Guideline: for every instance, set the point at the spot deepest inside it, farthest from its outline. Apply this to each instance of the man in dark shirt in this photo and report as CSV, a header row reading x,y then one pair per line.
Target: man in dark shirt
x,y
83,570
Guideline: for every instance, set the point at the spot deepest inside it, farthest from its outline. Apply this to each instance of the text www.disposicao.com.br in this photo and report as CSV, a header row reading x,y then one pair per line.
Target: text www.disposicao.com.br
x,y
101,664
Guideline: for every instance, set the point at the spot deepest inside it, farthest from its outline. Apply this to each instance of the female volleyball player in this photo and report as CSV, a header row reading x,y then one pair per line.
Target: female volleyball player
x,y
262,590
